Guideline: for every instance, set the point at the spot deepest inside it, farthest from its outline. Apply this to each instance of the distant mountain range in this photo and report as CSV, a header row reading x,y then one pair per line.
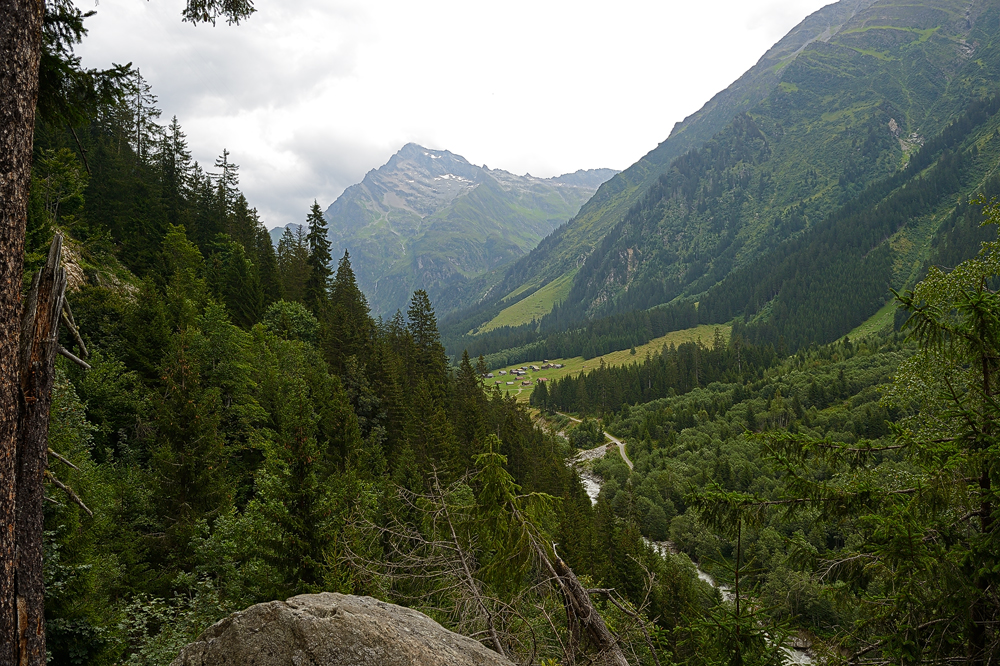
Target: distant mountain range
x,y
804,191
428,219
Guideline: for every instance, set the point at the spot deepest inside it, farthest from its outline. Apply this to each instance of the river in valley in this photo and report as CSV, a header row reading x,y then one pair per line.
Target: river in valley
x,y
795,655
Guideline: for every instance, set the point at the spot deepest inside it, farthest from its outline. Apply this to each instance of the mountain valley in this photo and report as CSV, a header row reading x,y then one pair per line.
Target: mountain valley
x,y
428,219
785,316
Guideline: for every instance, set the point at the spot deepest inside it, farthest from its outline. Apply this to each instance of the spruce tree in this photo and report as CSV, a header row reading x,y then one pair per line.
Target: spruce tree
x,y
267,264
238,284
227,182
205,219
293,263
175,170
318,280
429,357
351,327
144,132
469,408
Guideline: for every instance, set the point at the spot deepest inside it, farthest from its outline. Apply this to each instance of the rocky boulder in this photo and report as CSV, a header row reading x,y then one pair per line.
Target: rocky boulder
x,y
332,629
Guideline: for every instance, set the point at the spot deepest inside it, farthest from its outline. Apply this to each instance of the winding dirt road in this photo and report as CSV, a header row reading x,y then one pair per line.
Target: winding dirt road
x,y
602,449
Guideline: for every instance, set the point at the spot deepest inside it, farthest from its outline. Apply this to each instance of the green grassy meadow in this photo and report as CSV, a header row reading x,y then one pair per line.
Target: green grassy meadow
x,y
577,364
533,307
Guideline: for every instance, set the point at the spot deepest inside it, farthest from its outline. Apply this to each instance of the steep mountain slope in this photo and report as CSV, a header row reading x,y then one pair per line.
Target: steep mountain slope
x,y
428,219
565,249
846,111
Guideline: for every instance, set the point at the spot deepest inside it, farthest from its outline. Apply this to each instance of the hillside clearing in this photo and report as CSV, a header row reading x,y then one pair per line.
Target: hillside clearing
x,y
533,307
577,364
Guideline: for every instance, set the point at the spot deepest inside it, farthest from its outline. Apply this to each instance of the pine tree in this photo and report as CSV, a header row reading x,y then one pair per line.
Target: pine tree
x,y
351,327
206,221
227,183
294,499
175,170
188,459
429,357
143,131
267,264
317,285
469,409
238,285
293,263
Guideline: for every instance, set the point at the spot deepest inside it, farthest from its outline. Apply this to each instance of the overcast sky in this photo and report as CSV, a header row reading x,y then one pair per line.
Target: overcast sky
x,y
308,95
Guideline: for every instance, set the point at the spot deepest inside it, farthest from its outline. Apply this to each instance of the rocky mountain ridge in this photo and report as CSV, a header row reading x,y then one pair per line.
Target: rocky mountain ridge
x,y
428,219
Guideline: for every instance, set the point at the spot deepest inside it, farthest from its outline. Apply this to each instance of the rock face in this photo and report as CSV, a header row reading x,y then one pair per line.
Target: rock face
x,y
332,629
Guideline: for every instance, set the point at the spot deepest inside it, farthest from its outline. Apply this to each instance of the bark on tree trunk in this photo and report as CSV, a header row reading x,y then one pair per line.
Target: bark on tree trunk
x,y
580,611
20,50
39,346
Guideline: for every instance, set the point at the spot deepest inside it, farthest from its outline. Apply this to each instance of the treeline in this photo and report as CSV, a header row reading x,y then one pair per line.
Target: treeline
x,y
122,180
672,371
599,337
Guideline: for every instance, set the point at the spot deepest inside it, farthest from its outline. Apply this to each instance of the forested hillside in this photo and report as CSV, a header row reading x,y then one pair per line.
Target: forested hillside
x,y
563,250
246,430
852,165
846,491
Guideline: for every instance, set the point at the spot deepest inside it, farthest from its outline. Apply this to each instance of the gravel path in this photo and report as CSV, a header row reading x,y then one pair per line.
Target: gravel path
x,y
598,452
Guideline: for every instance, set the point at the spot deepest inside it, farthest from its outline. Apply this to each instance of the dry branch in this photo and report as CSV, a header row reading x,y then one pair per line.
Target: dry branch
x,y
67,318
80,362
69,491
62,459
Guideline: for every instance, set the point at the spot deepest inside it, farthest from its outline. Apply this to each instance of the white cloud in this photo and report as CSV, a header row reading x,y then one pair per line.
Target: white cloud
x,y
308,96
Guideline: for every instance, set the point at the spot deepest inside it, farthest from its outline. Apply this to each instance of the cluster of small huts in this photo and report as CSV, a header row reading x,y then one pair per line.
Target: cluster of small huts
x,y
522,374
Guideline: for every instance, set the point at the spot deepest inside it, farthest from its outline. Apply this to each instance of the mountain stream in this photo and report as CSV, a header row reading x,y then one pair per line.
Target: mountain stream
x,y
795,654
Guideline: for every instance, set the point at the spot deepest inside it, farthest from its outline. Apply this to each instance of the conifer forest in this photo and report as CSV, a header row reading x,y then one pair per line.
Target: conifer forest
x,y
221,420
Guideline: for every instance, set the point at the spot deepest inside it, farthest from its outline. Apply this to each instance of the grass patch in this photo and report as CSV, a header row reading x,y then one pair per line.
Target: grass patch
x,y
877,323
533,307
922,35
577,364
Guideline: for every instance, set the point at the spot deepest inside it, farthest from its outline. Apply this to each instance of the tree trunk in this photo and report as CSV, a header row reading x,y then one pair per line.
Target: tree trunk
x,y
20,46
580,611
39,345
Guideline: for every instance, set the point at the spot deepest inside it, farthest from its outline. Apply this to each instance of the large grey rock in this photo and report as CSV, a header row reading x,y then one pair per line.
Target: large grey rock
x,y
332,629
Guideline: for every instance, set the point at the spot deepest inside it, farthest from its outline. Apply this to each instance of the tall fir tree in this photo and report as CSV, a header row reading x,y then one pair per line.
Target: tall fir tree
x,y
267,264
175,171
350,324
429,359
293,263
143,131
469,408
318,281
227,181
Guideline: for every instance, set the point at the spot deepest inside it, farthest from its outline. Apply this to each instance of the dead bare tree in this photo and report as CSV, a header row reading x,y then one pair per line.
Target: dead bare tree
x,y
435,566
39,344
